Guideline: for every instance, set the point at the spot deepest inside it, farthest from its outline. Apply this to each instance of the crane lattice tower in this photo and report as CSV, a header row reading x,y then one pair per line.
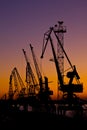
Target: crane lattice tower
x,y
60,30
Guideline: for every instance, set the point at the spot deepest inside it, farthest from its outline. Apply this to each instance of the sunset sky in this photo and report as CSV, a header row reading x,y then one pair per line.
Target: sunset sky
x,y
25,21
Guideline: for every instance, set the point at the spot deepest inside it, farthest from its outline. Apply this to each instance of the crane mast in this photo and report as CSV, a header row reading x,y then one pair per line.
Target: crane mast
x,y
59,31
61,46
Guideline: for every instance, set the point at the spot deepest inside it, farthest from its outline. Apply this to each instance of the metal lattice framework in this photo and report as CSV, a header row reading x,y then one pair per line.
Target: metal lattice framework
x,y
59,31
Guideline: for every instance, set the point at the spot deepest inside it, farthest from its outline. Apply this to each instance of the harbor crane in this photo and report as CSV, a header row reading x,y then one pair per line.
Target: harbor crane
x,y
44,92
69,89
31,81
16,78
38,72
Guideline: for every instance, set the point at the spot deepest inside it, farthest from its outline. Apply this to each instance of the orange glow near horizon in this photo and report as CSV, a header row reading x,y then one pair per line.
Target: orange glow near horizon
x,y
52,79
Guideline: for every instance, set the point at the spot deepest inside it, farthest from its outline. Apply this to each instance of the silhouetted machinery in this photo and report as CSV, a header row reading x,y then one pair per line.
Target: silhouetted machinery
x,y
44,91
16,85
69,99
32,84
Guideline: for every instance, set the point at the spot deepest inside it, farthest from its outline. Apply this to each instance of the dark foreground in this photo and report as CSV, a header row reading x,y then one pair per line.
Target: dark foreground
x,y
33,120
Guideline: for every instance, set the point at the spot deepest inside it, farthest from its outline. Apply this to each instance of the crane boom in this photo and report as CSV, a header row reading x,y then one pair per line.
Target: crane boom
x,y
29,68
48,37
30,76
39,75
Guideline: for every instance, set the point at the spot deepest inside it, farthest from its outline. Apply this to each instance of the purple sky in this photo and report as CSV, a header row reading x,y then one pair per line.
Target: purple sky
x,y
26,21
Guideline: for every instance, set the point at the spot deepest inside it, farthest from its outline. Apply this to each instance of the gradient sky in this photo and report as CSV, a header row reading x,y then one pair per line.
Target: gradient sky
x,y
25,21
